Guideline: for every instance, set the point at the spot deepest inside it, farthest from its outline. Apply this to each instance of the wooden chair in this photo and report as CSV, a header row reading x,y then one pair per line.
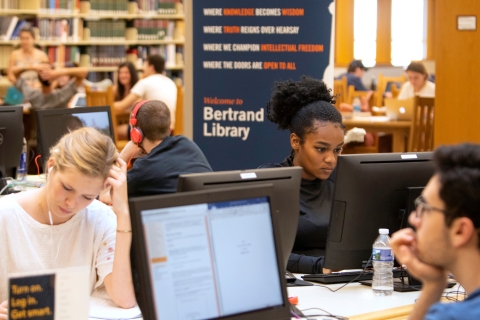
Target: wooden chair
x,y
179,111
382,86
340,91
395,91
96,98
421,134
352,93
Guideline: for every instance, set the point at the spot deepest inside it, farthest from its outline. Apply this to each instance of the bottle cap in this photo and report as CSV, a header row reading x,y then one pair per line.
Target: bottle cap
x,y
383,231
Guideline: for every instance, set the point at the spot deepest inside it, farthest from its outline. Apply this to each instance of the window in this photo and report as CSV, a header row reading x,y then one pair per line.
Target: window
x,y
365,31
408,31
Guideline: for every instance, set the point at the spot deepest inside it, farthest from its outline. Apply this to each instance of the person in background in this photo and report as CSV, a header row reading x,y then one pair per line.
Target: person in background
x,y
446,236
127,78
49,95
355,72
161,157
61,225
417,83
306,109
26,60
153,86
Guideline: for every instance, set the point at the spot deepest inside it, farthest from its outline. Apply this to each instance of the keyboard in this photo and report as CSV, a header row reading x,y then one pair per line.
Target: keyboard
x,y
344,277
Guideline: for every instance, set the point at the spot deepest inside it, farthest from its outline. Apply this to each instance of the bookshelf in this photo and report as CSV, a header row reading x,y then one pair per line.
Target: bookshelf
x,y
101,24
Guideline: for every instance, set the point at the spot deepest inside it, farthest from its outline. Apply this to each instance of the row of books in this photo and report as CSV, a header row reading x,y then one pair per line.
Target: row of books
x,y
5,52
157,6
10,27
60,29
106,6
110,6
106,56
59,6
60,55
154,29
106,30
9,4
170,52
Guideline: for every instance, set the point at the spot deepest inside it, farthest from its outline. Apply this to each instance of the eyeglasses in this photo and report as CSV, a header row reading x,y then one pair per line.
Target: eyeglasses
x,y
421,206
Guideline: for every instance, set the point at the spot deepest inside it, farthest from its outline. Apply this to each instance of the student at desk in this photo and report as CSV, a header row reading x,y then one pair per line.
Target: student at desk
x,y
61,225
317,137
447,239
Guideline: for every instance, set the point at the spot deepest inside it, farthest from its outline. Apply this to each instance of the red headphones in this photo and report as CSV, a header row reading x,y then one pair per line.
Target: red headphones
x,y
136,134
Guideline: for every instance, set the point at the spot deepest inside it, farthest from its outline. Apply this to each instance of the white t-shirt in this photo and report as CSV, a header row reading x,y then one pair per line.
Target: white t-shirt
x,y
26,245
407,92
158,87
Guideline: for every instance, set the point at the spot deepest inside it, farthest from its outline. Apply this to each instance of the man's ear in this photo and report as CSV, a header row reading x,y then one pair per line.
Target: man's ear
x,y
294,141
463,232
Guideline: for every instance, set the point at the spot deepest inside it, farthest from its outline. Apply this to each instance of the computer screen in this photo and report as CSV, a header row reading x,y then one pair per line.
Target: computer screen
x,y
372,191
53,124
208,255
11,139
285,202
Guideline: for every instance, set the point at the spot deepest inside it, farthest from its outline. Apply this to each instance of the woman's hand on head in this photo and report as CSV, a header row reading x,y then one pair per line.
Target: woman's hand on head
x,y
4,310
117,181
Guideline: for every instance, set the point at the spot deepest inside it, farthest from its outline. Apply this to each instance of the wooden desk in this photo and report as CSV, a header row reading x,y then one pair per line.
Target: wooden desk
x,y
399,129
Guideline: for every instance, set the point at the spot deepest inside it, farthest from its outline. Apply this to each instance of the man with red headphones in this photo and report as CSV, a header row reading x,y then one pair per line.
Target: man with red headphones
x,y
161,158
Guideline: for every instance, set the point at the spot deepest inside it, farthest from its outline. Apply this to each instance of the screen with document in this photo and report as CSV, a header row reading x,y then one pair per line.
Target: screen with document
x,y
212,260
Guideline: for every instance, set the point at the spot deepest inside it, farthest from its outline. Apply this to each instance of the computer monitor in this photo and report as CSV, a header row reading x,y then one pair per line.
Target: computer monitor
x,y
372,191
11,139
209,254
285,202
54,123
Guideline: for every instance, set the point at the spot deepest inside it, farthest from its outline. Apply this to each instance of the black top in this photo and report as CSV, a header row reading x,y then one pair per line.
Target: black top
x,y
158,171
315,205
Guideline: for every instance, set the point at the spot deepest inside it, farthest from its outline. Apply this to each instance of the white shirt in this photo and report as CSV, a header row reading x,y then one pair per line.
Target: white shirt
x,y
158,87
87,239
407,92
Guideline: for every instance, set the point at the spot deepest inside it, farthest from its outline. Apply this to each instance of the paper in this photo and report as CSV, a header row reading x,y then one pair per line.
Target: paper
x,y
101,308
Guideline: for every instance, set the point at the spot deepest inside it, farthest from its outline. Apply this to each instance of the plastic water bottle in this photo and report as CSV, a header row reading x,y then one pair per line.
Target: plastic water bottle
x,y
382,257
356,105
22,169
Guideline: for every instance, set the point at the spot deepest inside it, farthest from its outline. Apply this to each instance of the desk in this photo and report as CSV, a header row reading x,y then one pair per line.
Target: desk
x,y
399,129
355,301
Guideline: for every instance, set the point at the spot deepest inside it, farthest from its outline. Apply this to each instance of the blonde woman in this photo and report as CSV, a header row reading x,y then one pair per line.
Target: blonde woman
x,y
62,225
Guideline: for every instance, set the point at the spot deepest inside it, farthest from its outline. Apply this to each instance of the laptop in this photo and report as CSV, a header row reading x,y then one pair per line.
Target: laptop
x,y
399,109
208,255
79,100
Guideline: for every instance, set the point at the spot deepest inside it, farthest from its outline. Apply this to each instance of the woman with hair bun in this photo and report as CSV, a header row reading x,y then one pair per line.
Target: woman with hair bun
x,y
306,108
61,225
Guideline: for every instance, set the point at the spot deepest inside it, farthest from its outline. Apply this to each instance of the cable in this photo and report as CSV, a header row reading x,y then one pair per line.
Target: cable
x,y
328,314
359,275
36,163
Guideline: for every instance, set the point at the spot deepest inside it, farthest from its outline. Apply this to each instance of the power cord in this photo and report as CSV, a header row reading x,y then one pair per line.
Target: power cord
x,y
354,279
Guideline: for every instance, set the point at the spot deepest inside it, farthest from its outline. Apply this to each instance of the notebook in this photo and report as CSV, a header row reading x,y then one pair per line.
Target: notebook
x,y
399,109
208,255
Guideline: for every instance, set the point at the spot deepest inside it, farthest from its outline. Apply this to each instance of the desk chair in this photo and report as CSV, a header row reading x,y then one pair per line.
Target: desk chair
x,y
352,93
382,86
395,91
105,98
421,137
179,111
340,91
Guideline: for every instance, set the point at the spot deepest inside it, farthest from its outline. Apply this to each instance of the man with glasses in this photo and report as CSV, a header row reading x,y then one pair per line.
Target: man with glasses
x,y
447,235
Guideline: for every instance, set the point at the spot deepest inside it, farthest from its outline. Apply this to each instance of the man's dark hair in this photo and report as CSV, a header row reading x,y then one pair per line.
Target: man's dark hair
x,y
157,62
354,65
154,120
299,105
458,169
